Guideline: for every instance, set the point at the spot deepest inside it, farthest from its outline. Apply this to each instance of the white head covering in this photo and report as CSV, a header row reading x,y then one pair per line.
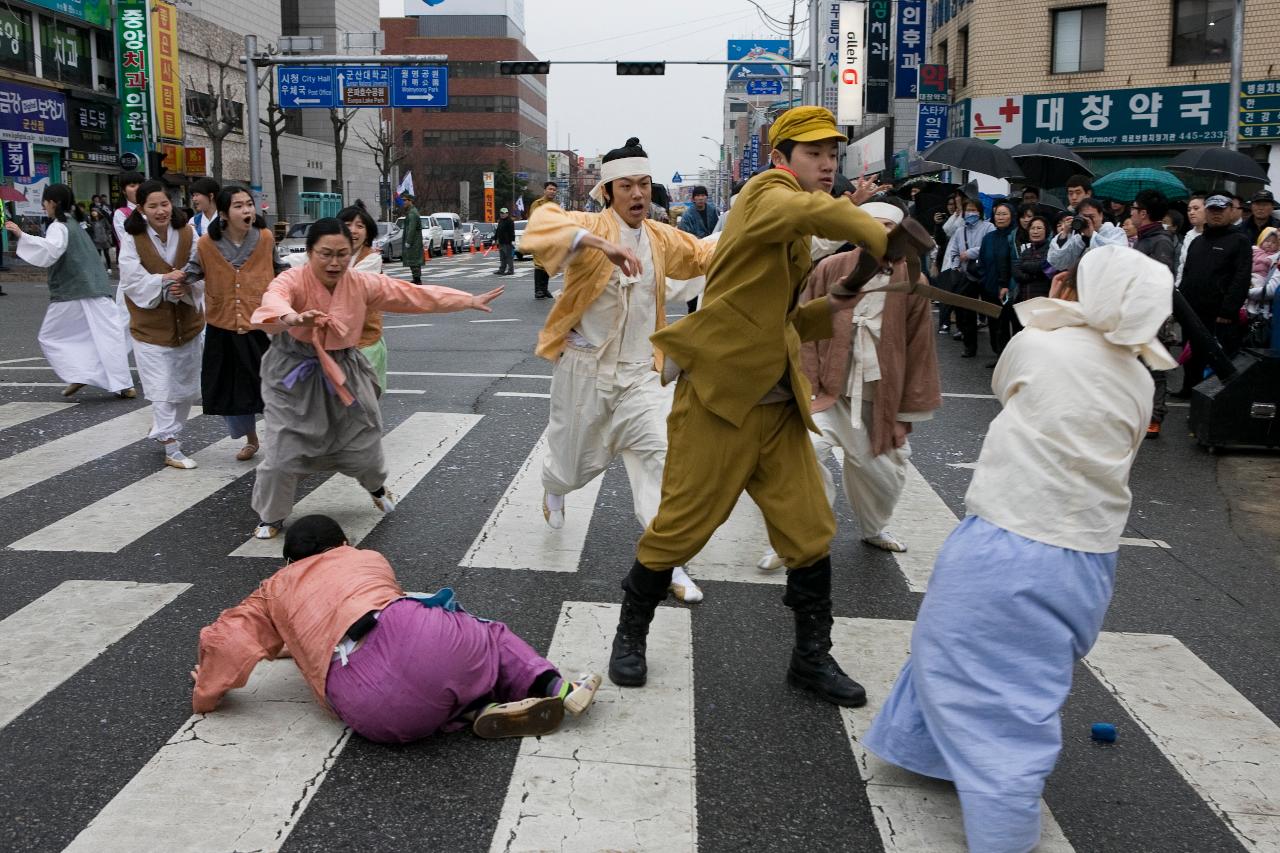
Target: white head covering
x,y
883,210
1123,294
624,168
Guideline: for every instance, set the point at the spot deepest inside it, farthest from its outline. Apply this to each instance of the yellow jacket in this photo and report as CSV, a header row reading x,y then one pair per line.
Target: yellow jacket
x,y
746,334
550,234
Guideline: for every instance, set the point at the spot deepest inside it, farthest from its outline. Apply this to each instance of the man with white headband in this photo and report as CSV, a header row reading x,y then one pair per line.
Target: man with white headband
x,y
1020,589
606,397
872,379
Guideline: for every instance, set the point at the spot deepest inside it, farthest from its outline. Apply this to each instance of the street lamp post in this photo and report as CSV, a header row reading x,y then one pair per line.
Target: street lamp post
x,y
720,171
524,140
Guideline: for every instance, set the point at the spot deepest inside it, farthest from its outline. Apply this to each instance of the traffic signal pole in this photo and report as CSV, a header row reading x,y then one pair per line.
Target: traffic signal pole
x,y
813,85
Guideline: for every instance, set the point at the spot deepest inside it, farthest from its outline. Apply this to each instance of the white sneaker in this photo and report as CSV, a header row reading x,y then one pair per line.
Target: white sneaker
x,y
683,587
553,510
886,541
770,562
175,458
386,503
268,530
580,693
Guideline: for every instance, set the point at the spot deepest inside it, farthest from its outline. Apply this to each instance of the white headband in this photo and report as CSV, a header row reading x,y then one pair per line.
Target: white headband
x,y
624,168
880,210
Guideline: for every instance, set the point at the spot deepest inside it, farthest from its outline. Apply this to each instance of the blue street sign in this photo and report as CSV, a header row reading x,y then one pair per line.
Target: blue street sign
x,y
325,86
764,87
676,179
420,86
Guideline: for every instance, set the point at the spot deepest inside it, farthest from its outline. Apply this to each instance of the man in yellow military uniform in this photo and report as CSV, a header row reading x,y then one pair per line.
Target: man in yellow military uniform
x,y
541,278
740,419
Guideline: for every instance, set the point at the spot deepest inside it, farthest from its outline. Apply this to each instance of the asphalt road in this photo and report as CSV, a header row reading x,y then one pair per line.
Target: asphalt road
x,y
728,756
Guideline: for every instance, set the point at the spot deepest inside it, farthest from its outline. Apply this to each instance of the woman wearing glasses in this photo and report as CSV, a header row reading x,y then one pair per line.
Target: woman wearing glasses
x,y
322,410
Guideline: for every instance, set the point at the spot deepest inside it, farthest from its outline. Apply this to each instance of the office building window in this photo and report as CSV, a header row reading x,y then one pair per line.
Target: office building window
x,y
1201,31
1079,39
941,58
406,139
963,49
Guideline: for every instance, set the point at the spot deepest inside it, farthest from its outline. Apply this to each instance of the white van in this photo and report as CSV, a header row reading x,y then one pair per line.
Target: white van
x,y
449,222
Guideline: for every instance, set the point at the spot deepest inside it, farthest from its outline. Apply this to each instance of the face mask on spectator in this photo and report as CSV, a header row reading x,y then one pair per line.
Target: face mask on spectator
x,y
971,218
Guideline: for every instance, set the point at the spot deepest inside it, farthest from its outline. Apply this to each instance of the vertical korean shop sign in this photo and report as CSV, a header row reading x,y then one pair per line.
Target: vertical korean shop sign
x,y
878,56
165,82
132,66
490,215
853,62
910,53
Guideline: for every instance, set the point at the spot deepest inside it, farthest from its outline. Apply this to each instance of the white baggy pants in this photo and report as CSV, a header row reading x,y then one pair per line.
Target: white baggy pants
x,y
590,426
82,342
873,484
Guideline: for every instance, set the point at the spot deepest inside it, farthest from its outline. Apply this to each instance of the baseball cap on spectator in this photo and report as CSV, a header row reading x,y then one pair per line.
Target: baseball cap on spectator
x,y
1263,195
1218,202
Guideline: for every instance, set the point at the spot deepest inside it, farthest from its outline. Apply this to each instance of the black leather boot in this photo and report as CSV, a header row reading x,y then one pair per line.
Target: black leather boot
x,y
644,589
812,666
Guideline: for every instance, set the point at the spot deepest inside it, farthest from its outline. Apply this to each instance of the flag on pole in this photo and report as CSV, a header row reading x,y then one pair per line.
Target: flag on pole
x,y
520,206
406,186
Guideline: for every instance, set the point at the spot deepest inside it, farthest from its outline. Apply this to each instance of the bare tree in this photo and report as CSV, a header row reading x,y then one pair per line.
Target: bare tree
x,y
387,154
276,121
341,119
214,106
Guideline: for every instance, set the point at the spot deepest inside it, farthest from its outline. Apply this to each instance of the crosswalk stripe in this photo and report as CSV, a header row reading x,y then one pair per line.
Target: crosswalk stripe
x,y
925,519
237,779
622,777
62,631
914,814
29,467
127,515
1227,750
412,449
517,537
12,414
734,549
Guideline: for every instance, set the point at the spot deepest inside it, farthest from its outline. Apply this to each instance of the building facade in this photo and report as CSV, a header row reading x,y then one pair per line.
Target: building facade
x,y
491,119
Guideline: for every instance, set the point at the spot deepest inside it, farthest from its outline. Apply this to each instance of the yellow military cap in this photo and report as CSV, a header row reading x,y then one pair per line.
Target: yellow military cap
x,y
805,124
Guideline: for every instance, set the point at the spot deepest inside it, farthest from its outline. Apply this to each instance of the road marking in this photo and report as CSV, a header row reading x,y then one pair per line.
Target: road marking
x,y
913,813
412,449
522,394
969,465
622,777
121,518
12,414
1145,543
972,396
404,391
33,385
517,537
62,631
1226,749
924,517
25,469
733,550
409,326
546,376
20,360
237,779
504,320
42,367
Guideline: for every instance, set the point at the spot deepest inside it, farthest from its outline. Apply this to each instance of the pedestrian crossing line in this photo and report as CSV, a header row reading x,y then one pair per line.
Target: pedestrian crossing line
x,y
541,396
622,777
914,814
20,360
412,450
240,778
121,518
25,469
408,326
33,385
734,549
62,631
12,414
1145,543
1226,749
517,537
546,376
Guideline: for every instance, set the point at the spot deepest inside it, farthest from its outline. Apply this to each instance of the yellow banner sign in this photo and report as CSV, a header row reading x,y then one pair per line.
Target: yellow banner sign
x,y
166,86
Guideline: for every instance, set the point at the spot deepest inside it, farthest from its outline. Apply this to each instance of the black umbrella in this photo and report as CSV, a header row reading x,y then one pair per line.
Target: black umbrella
x,y
974,155
1220,162
1047,164
1049,201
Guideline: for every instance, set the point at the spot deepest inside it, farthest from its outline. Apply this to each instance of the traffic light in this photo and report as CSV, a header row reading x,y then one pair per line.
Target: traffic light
x,y
155,165
644,69
524,67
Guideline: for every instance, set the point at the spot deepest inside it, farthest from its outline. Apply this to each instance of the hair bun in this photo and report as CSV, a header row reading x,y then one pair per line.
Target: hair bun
x,y
633,142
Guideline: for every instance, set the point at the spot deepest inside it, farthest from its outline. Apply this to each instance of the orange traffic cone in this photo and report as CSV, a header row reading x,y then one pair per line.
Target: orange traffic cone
x,y
449,249
473,247
426,254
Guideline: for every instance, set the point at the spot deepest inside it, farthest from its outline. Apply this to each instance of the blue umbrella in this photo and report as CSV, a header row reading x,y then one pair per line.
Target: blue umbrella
x,y
1125,184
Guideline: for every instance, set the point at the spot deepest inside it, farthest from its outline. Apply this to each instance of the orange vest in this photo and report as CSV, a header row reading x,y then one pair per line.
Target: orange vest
x,y
231,295
169,324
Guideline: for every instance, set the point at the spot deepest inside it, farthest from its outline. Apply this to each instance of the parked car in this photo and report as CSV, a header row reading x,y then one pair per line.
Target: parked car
x,y
479,234
432,239
520,224
449,223
387,234
295,240
488,232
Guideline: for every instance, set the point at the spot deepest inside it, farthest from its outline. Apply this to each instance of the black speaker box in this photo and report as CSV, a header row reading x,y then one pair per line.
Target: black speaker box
x,y
1242,411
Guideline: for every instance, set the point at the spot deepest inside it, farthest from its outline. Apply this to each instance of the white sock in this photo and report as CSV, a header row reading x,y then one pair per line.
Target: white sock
x,y
555,502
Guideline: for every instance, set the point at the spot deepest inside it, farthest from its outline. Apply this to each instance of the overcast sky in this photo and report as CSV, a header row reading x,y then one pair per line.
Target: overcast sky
x,y
593,110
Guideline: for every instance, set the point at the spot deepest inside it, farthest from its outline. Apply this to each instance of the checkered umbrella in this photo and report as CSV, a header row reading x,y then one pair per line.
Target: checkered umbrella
x,y
1125,184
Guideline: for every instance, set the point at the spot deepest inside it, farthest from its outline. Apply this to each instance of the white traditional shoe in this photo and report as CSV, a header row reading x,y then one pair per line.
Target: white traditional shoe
x,y
683,587
386,502
268,530
886,541
770,562
527,718
175,458
553,510
579,693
